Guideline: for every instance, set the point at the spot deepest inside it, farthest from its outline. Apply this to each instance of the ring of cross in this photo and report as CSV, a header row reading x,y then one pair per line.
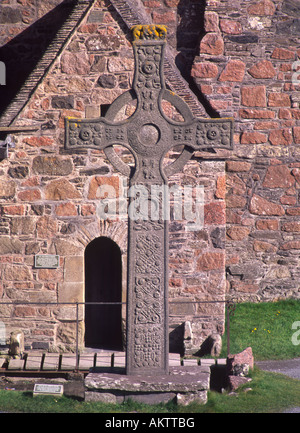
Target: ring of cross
x,y
127,98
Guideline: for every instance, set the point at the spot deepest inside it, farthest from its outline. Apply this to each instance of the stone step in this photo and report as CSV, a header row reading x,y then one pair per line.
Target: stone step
x,y
185,384
191,362
15,364
32,362
51,362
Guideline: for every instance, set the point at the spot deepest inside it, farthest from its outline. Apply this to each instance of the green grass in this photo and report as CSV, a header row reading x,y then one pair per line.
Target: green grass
x,y
266,327
270,393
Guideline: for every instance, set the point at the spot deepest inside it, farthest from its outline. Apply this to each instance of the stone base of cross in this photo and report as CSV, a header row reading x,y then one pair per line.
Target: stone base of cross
x,y
149,135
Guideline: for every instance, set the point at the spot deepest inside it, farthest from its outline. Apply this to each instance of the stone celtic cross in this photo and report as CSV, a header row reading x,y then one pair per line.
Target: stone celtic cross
x,y
149,135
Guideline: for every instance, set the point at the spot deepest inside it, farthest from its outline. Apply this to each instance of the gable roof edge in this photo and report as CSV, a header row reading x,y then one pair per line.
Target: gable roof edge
x,y
61,39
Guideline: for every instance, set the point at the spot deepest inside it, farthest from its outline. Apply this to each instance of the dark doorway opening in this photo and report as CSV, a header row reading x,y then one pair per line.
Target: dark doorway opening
x,y
103,283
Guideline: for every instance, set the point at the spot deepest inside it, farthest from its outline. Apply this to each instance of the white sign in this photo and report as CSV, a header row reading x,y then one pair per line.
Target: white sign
x,y
48,389
46,261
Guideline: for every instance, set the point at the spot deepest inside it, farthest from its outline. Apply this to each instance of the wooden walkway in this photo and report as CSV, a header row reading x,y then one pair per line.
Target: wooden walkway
x,y
54,362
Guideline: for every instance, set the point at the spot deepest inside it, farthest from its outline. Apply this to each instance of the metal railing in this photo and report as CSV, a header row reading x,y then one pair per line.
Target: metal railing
x,y
230,305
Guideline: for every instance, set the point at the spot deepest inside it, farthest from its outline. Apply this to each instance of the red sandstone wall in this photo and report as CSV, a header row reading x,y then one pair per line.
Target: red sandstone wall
x,y
244,65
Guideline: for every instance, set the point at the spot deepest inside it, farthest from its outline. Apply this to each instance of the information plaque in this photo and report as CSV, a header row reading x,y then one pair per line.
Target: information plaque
x,y
46,261
48,389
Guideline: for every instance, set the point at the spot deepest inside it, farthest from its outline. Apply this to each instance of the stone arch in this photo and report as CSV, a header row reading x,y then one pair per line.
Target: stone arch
x,y
103,283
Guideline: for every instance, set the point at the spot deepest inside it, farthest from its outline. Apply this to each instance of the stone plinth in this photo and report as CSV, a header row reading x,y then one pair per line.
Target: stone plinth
x,y
185,384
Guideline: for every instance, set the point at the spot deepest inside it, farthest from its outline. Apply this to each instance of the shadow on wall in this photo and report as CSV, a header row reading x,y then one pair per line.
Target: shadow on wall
x,y
22,53
190,31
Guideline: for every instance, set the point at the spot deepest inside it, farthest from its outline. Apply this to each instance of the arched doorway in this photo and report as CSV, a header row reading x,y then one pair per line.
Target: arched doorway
x,y
103,283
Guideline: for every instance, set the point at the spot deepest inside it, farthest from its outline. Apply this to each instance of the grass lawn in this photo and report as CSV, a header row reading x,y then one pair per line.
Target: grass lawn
x,y
266,327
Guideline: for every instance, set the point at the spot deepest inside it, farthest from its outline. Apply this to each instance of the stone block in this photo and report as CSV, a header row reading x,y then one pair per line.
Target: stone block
x,y
66,248
262,70
262,8
10,245
61,101
10,15
181,309
211,22
236,381
68,314
17,273
51,361
61,190
46,227
238,166
211,261
199,397
92,111
231,27
22,226
108,81
7,189
75,63
70,292
66,210
96,16
39,141
262,206
277,99
253,138
101,42
278,176
239,364
237,233
283,54
52,165
214,213
204,70
74,271
19,172
234,71
212,43
104,187
103,397
157,398
181,381
253,96
16,364
33,362
30,195
296,132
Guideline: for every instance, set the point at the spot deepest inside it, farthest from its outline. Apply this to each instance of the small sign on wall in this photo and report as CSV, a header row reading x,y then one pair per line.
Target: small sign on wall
x,y
46,261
